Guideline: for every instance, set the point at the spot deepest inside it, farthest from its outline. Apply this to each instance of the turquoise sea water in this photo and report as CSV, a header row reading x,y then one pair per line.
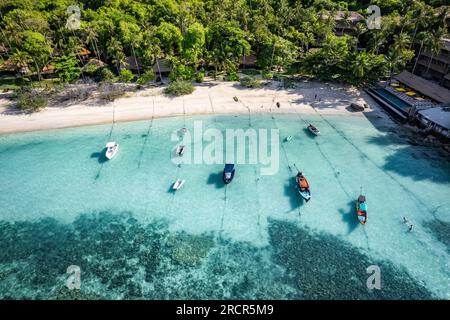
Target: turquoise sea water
x,y
62,204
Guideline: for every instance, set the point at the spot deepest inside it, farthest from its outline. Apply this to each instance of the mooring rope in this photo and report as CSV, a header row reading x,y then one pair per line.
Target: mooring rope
x,y
223,211
411,194
212,105
141,153
97,176
285,154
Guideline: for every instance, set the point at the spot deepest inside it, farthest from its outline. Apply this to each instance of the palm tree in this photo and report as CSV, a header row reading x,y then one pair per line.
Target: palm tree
x,y
115,52
360,30
422,37
91,36
401,42
20,60
360,64
435,48
393,59
434,44
423,12
377,40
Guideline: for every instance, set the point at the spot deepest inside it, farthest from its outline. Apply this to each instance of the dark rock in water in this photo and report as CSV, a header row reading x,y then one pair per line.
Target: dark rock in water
x,y
356,107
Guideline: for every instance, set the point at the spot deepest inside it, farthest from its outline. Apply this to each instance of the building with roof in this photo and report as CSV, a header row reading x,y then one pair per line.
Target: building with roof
x,y
435,67
346,22
436,119
162,66
428,88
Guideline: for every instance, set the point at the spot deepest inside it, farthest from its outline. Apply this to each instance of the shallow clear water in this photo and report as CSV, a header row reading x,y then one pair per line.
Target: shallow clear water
x,y
62,204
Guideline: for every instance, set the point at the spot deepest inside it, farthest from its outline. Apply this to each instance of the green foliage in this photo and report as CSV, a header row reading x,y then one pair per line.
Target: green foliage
x,y
232,76
277,51
335,61
147,77
201,34
169,37
181,71
266,74
226,43
179,88
29,100
125,76
249,82
90,69
250,72
200,76
194,43
107,75
66,68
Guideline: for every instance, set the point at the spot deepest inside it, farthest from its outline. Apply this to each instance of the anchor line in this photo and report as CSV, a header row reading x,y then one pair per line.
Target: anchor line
x,y
249,113
212,106
113,121
327,159
285,155
258,204
150,126
97,176
223,211
336,176
409,192
184,115
257,196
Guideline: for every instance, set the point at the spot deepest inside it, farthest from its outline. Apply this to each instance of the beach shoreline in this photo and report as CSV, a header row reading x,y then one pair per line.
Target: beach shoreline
x,y
209,98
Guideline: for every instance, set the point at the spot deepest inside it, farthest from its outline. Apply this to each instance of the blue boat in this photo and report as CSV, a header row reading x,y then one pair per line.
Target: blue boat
x,y
228,173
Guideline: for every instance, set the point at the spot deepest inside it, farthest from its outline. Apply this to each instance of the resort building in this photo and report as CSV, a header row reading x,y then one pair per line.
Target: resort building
x,y
163,67
435,67
346,22
436,119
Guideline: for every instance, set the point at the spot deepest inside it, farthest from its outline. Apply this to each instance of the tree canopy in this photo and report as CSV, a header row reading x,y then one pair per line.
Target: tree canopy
x,y
216,34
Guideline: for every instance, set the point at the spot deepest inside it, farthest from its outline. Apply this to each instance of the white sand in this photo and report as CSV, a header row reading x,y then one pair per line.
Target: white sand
x,y
209,97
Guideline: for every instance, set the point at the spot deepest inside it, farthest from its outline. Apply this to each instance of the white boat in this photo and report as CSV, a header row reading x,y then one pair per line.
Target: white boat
x,y
111,149
314,130
178,184
288,138
180,150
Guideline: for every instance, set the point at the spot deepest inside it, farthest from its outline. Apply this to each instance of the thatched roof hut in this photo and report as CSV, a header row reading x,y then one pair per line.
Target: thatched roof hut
x,y
162,66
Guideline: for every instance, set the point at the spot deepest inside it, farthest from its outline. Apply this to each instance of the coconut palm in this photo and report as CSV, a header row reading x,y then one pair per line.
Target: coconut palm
x,y
401,42
115,52
435,48
378,40
91,36
422,38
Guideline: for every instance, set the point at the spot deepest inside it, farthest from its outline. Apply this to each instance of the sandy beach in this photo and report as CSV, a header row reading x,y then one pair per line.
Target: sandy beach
x,y
210,97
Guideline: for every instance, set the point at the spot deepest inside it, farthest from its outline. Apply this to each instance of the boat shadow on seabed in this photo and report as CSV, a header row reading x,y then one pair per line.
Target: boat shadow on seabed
x,y
100,156
349,216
